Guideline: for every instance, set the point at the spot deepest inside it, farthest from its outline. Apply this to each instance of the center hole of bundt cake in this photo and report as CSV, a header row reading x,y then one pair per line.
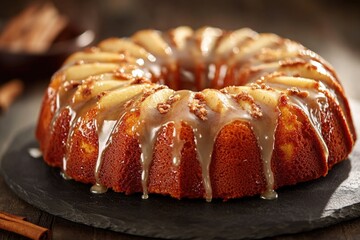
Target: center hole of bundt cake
x,y
198,78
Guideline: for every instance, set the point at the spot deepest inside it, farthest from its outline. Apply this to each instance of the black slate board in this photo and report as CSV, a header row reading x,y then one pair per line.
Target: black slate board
x,y
303,207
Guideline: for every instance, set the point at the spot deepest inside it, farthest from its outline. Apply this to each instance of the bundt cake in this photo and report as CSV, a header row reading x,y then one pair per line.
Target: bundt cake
x,y
195,114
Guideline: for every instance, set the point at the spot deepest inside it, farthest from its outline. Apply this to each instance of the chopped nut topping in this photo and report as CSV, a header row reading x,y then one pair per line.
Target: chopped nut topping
x,y
224,91
128,103
151,91
86,91
256,111
197,106
283,100
71,85
272,75
292,62
87,86
311,67
163,108
100,95
166,106
147,93
141,80
242,98
173,98
262,85
122,75
265,87
297,92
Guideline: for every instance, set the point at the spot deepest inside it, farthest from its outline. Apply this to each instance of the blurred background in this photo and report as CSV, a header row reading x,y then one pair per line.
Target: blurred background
x,y
328,27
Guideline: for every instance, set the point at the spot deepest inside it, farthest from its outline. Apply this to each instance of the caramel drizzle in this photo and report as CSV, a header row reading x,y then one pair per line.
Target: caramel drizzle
x,y
312,101
205,130
313,105
65,99
104,131
263,123
265,133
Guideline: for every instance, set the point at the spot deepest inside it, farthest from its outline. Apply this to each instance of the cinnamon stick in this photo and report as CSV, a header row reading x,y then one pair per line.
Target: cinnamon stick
x,y
13,216
18,225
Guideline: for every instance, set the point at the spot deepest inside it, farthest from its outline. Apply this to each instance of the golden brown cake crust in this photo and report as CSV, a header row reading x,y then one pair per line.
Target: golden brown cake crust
x,y
195,114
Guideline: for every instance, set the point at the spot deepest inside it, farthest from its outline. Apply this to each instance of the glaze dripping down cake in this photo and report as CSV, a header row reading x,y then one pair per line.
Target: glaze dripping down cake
x,y
204,113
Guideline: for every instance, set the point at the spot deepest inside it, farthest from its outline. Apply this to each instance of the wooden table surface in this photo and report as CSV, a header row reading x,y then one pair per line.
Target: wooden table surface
x,y
327,27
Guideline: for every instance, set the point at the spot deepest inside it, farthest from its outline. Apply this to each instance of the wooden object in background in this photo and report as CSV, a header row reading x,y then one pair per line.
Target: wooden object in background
x,y
33,30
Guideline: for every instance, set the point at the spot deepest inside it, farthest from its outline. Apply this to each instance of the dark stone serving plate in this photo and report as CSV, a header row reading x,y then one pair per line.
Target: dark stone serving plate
x,y
299,208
